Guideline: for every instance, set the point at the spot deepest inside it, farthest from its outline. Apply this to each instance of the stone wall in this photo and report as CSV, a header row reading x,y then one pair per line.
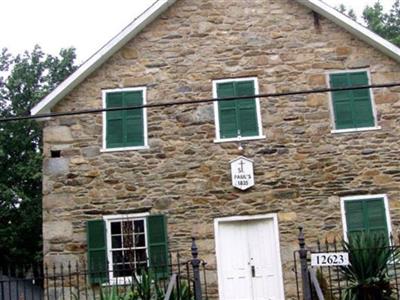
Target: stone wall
x,y
301,167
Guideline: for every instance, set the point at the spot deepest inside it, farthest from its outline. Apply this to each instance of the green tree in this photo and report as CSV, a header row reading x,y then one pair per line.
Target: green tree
x,y
348,12
386,25
26,79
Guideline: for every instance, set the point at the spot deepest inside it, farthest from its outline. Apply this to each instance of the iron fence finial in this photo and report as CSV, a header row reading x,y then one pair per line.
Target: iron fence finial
x,y
195,251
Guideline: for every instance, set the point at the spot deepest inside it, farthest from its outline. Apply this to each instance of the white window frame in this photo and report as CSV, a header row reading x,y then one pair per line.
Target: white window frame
x,y
143,89
108,219
365,197
218,138
331,107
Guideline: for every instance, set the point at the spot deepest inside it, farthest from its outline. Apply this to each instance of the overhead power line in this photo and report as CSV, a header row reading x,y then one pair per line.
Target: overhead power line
x,y
187,102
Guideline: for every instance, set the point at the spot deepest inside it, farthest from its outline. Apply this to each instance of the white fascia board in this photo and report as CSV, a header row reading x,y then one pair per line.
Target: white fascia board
x,y
353,27
116,43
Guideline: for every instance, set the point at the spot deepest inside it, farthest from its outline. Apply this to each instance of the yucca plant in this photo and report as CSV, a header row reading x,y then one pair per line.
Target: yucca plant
x,y
183,293
367,274
112,293
147,286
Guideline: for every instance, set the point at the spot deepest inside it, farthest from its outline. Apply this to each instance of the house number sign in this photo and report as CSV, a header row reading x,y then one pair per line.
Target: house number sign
x,y
330,259
242,172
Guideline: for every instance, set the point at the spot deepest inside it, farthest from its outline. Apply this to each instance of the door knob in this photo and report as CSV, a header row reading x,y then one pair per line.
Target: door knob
x,y
253,271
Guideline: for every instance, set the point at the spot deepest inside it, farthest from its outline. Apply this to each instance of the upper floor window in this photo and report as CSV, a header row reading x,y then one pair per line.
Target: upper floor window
x,y
237,119
353,109
124,129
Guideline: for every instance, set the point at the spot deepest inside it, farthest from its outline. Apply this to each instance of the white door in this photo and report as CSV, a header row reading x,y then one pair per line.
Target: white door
x,y
249,266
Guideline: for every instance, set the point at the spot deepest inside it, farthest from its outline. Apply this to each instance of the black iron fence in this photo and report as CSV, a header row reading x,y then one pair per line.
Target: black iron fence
x,y
185,279
334,282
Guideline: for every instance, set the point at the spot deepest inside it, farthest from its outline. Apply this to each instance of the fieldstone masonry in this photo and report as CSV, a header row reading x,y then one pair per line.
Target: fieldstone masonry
x,y
301,168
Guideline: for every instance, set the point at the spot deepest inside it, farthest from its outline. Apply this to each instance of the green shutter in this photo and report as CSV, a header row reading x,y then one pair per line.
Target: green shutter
x,y
354,217
157,239
238,116
363,116
115,121
366,216
134,130
97,251
247,110
125,128
352,109
376,217
228,122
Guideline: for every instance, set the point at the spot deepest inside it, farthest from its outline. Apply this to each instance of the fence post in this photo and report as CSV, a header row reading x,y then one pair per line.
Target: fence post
x,y
304,266
196,270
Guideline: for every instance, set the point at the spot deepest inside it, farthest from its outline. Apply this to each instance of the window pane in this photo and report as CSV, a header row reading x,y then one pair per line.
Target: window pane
x,y
123,270
141,255
139,226
127,227
116,241
128,241
129,255
115,227
140,240
140,268
117,257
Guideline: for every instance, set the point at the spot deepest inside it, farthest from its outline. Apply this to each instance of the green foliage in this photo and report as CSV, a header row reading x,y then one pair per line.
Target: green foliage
x,y
348,12
367,274
113,294
183,293
24,80
145,287
386,25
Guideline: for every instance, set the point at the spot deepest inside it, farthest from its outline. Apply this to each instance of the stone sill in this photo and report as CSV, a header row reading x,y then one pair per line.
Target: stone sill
x,y
124,149
248,138
350,130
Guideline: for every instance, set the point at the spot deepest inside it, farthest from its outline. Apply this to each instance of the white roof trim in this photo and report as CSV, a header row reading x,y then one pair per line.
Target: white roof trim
x,y
158,7
45,105
353,27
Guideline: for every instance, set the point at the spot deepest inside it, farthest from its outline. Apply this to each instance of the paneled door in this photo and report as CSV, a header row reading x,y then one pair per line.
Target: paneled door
x,y
248,258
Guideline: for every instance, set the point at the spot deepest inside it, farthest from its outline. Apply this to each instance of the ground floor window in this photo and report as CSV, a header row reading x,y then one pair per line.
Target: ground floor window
x,y
127,242
366,214
120,246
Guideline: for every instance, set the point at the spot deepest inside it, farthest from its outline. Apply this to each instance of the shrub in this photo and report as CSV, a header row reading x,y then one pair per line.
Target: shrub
x,y
367,274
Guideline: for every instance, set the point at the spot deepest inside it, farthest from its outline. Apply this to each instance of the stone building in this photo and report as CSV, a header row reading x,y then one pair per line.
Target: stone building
x,y
328,161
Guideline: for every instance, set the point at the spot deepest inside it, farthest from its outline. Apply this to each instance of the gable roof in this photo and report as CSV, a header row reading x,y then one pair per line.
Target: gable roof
x,y
158,7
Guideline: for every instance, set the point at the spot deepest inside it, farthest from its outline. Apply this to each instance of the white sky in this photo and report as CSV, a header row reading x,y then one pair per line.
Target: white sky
x,y
85,24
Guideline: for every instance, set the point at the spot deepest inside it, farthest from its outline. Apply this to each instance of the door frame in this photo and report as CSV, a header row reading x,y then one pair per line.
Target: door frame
x,y
274,218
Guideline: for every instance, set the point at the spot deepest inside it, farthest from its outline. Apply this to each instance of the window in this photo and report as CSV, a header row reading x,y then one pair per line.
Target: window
x,y
352,110
238,119
119,246
127,246
124,129
365,214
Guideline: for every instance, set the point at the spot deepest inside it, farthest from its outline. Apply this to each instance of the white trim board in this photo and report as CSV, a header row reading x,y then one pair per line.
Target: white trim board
x,y
45,105
353,27
274,218
101,56
365,197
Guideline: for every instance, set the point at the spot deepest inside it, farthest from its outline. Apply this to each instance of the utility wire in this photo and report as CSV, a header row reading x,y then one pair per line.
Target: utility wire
x,y
187,102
